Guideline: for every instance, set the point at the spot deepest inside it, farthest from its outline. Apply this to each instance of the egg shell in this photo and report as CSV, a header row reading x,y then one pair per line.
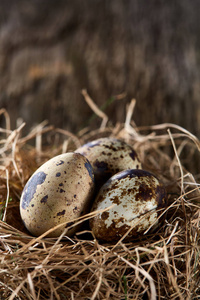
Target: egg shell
x,y
136,194
109,156
59,191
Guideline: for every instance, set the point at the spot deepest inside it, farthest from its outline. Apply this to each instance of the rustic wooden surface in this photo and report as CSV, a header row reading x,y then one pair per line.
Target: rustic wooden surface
x,y
50,50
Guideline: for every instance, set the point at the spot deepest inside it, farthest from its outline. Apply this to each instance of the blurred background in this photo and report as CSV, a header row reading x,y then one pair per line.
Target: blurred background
x,y
147,50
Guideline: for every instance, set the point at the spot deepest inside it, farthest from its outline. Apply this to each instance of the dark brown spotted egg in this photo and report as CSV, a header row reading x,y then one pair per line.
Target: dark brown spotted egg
x,y
109,156
59,191
137,197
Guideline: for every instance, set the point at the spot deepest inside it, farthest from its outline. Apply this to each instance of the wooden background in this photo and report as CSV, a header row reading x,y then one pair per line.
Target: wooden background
x,y
150,50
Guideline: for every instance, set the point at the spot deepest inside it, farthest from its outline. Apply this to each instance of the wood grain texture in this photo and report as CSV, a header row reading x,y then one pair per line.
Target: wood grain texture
x,y
51,50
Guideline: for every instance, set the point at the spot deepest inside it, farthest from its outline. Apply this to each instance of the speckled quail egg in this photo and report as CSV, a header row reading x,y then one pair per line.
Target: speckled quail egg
x,y
109,156
138,197
59,191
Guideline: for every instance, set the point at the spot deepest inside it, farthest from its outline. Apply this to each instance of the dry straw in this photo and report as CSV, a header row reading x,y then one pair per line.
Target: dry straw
x,y
158,265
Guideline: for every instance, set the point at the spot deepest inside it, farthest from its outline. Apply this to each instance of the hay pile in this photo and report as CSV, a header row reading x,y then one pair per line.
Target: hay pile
x,y
161,265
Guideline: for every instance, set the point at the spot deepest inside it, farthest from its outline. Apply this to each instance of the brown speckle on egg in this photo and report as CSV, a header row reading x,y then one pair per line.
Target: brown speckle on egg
x,y
60,163
54,190
44,199
109,156
138,197
61,213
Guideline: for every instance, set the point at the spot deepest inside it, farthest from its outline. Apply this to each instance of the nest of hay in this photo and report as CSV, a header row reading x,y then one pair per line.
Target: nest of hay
x,y
161,265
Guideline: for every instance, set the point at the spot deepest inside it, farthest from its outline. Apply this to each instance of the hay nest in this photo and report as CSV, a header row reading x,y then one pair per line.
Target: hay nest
x,y
161,265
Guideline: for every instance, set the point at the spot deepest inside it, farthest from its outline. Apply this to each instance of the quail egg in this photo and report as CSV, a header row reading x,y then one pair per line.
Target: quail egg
x,y
59,191
109,156
138,197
